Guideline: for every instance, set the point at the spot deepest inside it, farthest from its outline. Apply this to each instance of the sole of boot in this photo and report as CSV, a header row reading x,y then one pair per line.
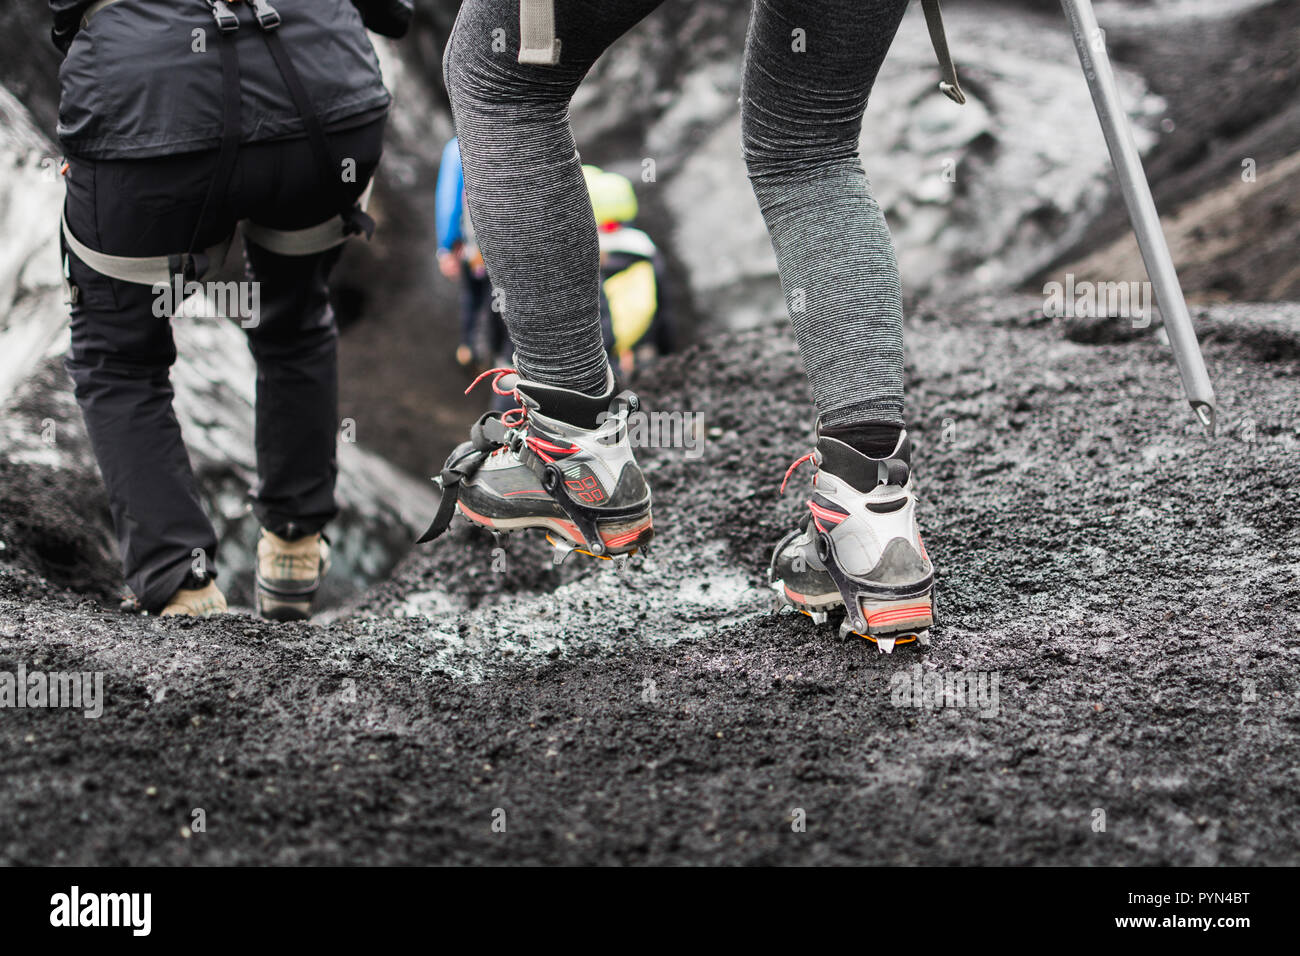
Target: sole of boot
x,y
619,537
904,620
909,615
275,608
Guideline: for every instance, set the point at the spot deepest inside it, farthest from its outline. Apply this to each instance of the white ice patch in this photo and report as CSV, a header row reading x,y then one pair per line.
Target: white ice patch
x,y
598,613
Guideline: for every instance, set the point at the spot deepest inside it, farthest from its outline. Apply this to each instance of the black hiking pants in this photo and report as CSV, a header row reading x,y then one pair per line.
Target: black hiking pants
x,y
122,351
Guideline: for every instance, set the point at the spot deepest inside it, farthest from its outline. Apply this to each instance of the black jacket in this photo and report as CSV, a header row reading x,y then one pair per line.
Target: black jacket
x,y
143,77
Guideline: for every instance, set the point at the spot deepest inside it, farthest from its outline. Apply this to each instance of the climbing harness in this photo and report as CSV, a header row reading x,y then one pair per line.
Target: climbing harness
x,y
197,265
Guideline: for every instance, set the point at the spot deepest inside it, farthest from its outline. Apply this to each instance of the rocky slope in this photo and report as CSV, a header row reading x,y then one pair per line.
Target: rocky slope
x,y
1229,141
1127,585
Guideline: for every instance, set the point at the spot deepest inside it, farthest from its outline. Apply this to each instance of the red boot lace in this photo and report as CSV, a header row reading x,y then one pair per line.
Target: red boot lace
x,y
791,470
499,374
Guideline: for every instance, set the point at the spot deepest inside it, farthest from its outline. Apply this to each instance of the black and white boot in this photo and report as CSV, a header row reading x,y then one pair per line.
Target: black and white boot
x,y
561,461
861,547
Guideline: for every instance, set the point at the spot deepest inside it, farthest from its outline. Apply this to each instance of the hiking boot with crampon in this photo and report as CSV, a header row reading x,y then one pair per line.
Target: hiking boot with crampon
x,y
860,548
561,461
289,574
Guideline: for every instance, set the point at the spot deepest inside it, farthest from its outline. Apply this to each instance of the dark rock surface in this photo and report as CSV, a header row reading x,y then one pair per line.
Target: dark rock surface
x,y
1131,585
1223,171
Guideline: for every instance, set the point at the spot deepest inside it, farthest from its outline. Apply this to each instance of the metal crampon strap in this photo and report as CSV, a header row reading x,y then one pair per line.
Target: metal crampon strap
x,y
486,436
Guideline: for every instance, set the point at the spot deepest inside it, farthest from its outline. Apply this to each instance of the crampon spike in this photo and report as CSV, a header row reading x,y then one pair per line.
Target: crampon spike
x,y
886,643
564,548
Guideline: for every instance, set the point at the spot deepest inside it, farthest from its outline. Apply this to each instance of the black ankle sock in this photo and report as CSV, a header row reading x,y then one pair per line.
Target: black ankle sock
x,y
570,407
873,439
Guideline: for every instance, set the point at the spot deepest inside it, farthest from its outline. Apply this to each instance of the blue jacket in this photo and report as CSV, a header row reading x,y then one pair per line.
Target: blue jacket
x,y
449,198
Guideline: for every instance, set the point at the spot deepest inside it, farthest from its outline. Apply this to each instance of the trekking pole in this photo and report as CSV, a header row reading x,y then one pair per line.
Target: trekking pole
x,y
1091,44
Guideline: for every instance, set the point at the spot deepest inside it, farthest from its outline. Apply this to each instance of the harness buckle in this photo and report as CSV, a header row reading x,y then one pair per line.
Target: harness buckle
x,y
185,265
227,22
268,18
357,222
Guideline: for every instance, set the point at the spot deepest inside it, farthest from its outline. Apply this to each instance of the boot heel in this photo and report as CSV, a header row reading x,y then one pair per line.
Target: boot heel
x,y
283,609
890,617
624,536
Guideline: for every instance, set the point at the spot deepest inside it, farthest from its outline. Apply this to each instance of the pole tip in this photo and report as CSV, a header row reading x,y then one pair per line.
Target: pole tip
x,y
1205,413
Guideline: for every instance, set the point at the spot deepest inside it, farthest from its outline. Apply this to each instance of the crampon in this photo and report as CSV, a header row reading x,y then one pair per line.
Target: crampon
x,y
561,461
860,549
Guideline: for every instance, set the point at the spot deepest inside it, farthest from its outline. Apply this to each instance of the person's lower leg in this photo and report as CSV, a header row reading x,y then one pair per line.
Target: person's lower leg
x,y
295,345
802,118
162,531
524,184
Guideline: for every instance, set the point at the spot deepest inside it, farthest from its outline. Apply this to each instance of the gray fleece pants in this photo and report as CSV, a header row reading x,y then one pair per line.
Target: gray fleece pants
x,y
804,94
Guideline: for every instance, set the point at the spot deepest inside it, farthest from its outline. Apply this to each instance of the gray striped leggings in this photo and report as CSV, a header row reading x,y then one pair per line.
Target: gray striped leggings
x,y
809,67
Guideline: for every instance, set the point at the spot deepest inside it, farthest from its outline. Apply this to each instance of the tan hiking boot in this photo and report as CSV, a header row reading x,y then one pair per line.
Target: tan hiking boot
x,y
196,602
289,574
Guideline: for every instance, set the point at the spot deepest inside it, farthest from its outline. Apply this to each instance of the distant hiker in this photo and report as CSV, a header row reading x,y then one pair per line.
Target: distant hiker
x,y
482,331
563,460
179,120
631,271
484,339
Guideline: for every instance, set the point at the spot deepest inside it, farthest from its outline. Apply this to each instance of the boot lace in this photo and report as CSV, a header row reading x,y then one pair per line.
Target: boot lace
x,y
498,374
791,470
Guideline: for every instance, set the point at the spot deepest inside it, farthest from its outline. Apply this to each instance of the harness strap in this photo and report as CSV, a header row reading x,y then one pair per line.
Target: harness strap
x,y
268,18
538,44
191,265
304,242
949,86
354,218
148,270
231,119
